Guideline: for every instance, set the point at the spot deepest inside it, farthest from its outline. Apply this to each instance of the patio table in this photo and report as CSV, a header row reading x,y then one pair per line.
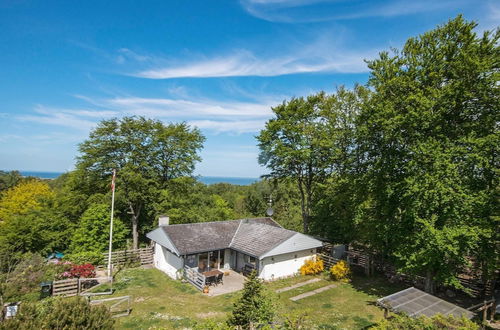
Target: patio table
x,y
211,273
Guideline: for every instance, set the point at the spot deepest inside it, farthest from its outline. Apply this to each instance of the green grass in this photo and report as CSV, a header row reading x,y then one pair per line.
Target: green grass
x,y
160,302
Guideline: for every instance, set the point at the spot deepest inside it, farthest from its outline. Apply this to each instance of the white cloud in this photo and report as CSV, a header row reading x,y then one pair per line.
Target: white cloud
x,y
324,54
285,10
210,115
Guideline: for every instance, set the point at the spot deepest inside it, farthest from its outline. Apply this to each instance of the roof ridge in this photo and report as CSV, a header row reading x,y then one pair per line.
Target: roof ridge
x,y
219,221
236,232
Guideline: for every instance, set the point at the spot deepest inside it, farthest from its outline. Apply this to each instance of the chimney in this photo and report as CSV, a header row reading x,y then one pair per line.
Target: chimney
x,y
163,220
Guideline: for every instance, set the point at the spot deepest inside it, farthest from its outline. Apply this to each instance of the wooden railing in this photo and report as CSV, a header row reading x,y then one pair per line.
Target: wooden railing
x,y
328,261
194,277
80,286
143,256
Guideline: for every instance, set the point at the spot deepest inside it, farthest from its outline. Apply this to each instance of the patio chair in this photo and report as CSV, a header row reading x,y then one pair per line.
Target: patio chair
x,y
210,280
220,279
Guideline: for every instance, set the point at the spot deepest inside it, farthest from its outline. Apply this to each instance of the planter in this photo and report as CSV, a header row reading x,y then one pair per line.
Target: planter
x,y
205,289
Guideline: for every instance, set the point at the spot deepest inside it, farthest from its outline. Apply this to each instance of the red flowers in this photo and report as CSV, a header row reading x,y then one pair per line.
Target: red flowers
x,y
79,271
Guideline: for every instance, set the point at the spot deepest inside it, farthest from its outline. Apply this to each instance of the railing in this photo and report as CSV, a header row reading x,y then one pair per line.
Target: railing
x,y
144,256
80,286
328,261
115,305
194,277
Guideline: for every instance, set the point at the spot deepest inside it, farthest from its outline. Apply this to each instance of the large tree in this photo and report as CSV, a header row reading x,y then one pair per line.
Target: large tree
x,y
146,154
429,140
309,139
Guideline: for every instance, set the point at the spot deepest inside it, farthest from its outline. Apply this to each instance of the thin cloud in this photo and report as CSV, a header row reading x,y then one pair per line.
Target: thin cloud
x,y
323,55
210,115
320,11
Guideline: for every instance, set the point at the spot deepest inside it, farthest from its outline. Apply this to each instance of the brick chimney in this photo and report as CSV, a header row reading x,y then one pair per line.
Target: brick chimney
x,y
163,220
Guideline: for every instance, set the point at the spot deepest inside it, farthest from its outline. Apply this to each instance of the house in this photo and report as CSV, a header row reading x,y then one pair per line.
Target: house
x,y
242,245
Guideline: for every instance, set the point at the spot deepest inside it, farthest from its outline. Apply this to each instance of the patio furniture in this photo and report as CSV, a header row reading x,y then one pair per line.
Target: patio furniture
x,y
220,278
211,276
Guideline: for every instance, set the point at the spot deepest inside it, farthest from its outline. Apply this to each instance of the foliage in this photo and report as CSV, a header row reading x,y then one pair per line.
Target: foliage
x,y
91,257
425,323
312,266
340,271
9,179
62,313
23,282
79,271
428,137
254,307
23,198
146,154
41,231
92,233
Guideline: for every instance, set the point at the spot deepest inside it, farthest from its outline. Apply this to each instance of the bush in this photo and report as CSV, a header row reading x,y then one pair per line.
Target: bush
x,y
79,271
87,257
404,322
312,266
340,271
60,313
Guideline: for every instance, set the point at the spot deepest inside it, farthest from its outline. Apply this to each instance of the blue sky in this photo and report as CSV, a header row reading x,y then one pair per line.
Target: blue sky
x,y
219,65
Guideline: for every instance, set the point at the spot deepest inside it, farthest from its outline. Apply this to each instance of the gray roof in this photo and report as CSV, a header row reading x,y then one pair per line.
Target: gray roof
x,y
254,236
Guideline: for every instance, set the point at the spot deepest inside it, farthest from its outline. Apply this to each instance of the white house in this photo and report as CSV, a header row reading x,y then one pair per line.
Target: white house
x,y
242,245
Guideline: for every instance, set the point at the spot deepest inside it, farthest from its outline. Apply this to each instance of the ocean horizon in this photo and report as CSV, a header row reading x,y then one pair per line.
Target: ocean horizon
x,y
242,181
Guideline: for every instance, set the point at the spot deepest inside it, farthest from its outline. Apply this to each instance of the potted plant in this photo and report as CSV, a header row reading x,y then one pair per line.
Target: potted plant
x,y
205,289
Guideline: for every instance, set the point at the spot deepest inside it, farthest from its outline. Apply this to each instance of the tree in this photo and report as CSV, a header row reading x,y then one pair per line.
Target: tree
x,y
23,198
92,233
254,307
9,179
428,138
146,154
309,139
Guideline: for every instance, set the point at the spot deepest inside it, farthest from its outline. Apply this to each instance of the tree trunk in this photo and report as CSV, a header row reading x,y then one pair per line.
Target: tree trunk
x,y
135,226
303,207
429,282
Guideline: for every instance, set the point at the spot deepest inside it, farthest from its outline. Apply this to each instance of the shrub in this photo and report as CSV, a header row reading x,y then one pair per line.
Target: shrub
x,y
405,322
254,308
340,271
60,313
312,266
86,257
79,271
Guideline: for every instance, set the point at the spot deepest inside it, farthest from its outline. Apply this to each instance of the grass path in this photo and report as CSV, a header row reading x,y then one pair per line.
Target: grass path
x,y
313,292
298,285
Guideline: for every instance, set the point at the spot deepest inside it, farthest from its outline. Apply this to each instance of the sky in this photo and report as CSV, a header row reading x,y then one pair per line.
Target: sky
x,y
218,65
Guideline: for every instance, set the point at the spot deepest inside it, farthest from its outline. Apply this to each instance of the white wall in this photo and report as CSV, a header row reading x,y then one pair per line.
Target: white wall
x,y
284,264
166,261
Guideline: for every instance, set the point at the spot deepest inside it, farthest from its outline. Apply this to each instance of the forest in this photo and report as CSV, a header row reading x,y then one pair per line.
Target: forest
x,y
405,166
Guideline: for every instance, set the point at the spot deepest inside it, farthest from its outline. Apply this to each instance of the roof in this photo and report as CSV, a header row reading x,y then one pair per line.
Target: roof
x,y
415,302
254,236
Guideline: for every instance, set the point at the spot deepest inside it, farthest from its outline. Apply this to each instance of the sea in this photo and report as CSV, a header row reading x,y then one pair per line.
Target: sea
x,y
204,179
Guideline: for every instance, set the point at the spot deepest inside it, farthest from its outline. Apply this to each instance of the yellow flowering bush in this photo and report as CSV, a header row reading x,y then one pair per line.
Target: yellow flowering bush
x,y
340,271
312,266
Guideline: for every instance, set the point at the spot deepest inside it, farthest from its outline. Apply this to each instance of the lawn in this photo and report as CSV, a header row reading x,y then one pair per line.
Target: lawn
x,y
160,302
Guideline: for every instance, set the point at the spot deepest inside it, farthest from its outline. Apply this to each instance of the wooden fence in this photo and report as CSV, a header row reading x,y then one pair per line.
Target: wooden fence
x,y
194,277
328,261
143,256
117,306
80,286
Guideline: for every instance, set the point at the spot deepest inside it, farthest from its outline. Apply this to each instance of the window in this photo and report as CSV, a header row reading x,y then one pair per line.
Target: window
x,y
250,260
191,260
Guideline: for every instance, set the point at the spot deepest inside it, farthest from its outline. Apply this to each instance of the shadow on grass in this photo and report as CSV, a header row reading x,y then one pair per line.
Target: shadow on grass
x,y
376,285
